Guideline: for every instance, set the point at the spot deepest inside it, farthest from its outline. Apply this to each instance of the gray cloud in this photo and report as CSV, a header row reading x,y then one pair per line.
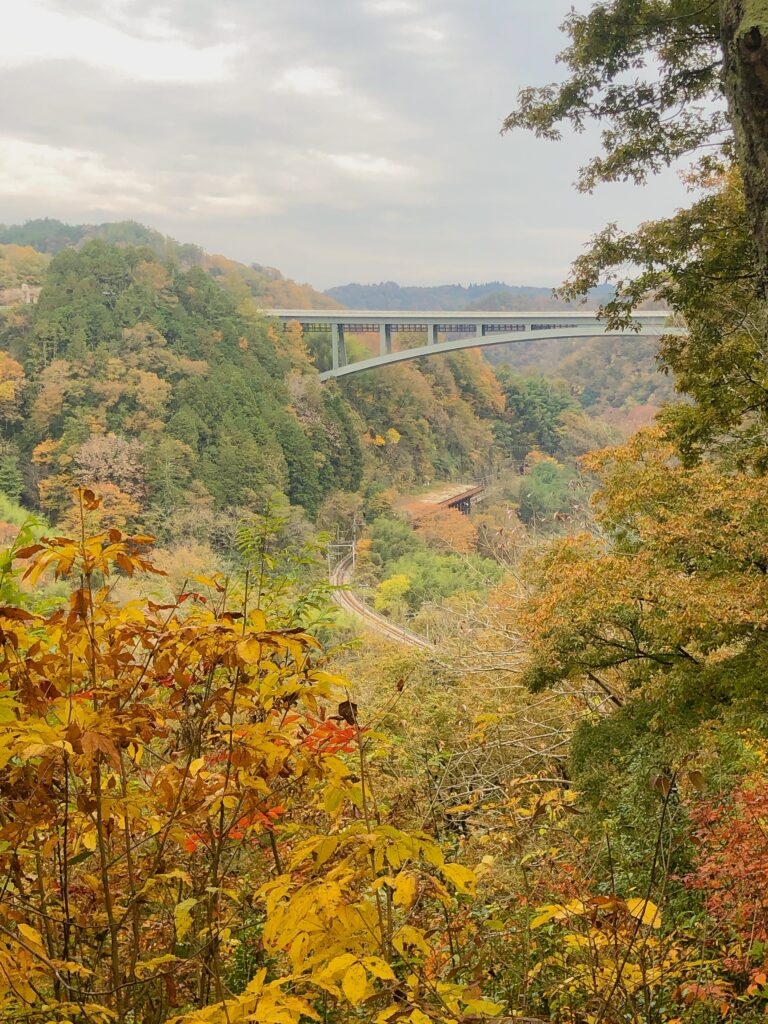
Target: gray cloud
x,y
354,139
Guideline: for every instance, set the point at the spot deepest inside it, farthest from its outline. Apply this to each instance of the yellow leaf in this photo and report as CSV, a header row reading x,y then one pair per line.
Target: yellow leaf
x,y
146,968
550,913
38,567
417,1017
355,983
71,965
405,888
34,938
432,854
553,912
205,581
249,650
333,799
462,878
645,912
340,964
483,1006
196,765
257,619
409,936
179,873
182,917
325,850
379,968
135,752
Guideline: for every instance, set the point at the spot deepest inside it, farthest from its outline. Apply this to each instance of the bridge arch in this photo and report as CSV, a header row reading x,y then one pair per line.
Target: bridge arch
x,y
406,355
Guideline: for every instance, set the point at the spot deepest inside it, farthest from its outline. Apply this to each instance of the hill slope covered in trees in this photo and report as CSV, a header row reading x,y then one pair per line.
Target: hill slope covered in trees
x,y
149,369
152,380
49,236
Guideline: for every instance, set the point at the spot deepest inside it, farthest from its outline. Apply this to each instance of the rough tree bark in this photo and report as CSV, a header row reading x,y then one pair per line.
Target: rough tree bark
x,y
745,79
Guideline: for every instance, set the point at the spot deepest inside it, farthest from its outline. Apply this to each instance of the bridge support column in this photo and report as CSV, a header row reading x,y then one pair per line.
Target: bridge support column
x,y
342,347
385,339
338,348
463,505
480,330
431,334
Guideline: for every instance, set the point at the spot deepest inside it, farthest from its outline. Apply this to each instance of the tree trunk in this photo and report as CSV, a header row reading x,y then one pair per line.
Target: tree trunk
x,y
744,25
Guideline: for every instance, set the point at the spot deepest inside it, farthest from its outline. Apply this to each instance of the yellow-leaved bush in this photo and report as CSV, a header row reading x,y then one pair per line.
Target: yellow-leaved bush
x,y
187,827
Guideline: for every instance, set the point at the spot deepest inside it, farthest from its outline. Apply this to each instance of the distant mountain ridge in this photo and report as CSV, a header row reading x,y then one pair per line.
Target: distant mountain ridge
x,y
494,295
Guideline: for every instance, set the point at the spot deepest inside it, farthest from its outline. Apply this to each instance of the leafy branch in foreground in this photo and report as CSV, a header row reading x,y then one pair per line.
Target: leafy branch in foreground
x,y
669,79
187,831
666,79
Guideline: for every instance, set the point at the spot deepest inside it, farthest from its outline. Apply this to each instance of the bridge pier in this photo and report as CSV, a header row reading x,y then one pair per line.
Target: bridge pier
x,y
385,339
338,348
431,334
463,505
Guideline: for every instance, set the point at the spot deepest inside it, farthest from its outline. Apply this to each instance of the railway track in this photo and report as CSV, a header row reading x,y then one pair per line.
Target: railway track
x,y
351,603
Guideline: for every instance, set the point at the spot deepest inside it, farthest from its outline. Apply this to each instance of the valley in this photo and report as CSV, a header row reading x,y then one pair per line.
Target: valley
x,y
387,654
147,371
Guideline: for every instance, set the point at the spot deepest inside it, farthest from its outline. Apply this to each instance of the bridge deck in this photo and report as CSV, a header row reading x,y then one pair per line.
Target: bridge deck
x,y
360,318
460,330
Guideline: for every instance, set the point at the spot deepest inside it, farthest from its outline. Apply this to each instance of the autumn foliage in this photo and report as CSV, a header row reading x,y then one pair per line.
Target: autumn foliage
x,y
187,830
731,875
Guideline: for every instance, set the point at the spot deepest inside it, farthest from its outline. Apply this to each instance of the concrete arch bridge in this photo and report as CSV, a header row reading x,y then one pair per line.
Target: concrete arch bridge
x,y
460,331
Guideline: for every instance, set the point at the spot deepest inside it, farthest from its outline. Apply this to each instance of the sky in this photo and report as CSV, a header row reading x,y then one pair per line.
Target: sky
x,y
338,140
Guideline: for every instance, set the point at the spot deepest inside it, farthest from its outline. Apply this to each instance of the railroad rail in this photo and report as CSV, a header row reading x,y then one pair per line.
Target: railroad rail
x,y
341,576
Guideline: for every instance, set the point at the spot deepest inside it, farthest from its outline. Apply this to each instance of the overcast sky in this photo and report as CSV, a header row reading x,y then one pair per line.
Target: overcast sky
x,y
338,140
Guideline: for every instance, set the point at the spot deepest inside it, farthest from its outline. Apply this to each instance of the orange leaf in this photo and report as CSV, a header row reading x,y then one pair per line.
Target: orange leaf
x,y
27,552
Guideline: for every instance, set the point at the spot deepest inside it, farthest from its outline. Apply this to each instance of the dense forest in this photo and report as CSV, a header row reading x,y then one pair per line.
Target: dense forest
x,y
616,379
220,801
158,384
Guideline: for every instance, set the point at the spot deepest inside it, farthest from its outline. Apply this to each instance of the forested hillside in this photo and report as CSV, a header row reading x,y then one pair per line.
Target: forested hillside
x,y
21,264
620,379
265,284
150,371
443,411
153,382
117,316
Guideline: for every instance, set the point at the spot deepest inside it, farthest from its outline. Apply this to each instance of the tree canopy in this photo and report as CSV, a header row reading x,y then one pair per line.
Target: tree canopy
x,y
669,80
